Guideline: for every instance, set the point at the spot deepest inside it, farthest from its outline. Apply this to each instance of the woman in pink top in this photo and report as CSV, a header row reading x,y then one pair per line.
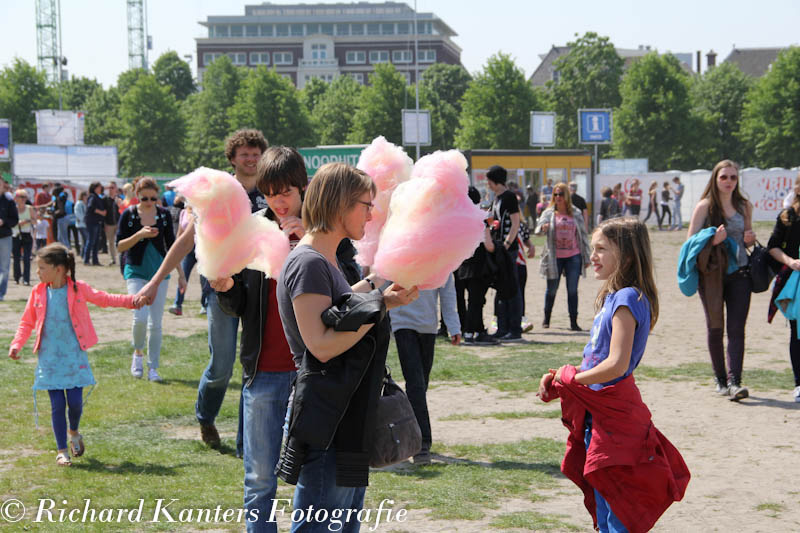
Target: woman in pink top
x,y
566,251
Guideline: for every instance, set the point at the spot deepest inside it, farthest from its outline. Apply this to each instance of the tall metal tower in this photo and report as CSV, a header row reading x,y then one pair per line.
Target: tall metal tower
x,y
137,46
48,43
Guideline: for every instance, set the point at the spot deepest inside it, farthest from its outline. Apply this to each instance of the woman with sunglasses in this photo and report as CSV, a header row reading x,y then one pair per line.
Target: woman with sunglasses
x,y
723,207
144,234
566,250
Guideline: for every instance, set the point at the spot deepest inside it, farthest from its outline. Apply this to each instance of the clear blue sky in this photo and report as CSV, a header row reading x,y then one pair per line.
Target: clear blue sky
x,y
94,32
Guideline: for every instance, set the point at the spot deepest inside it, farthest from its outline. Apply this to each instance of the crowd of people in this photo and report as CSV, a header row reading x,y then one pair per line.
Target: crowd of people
x,y
293,423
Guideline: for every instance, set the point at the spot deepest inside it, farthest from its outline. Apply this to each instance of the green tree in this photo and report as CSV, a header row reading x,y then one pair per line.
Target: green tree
x,y
655,119
23,89
589,76
128,78
269,102
152,129
102,125
206,114
771,123
334,111
173,72
442,86
496,107
718,97
379,107
75,92
312,92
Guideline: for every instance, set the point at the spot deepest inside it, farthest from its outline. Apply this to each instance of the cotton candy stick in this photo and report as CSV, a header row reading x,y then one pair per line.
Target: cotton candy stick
x,y
432,225
388,166
228,237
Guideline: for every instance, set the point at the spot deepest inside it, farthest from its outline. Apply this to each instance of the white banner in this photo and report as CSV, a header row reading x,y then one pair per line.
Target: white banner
x,y
63,128
82,162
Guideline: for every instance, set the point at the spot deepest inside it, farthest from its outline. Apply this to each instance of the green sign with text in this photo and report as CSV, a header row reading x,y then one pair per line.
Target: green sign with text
x,y
321,155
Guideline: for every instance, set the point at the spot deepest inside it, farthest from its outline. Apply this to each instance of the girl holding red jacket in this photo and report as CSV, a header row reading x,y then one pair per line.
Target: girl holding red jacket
x,y
629,472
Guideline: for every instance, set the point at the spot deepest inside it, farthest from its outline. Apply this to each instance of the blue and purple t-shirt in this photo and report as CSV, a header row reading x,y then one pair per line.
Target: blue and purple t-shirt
x,y
599,344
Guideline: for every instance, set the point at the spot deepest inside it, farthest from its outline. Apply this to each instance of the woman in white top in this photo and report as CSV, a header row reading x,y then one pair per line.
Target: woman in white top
x,y
22,238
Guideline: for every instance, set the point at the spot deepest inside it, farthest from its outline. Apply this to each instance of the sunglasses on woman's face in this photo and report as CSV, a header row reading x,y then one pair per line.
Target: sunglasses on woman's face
x,y
723,177
148,199
558,194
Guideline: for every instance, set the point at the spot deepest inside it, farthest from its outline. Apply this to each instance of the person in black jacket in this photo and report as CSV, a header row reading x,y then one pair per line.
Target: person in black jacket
x,y
111,219
9,217
268,369
340,372
95,214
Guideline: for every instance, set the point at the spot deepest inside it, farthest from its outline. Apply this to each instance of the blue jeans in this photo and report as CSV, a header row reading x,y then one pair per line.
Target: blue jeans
x,y
571,268
264,411
509,312
5,264
147,321
317,486
22,246
415,351
677,222
222,329
84,238
188,264
63,230
607,521
90,247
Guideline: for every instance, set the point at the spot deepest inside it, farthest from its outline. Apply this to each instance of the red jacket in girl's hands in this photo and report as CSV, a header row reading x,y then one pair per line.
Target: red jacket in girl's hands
x,y
633,466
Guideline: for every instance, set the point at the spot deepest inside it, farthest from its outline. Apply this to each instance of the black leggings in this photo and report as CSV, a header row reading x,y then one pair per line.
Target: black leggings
x,y
665,211
651,208
736,295
794,352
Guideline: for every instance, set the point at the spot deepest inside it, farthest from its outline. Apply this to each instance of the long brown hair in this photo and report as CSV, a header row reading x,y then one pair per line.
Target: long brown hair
x,y
716,213
561,186
634,262
56,254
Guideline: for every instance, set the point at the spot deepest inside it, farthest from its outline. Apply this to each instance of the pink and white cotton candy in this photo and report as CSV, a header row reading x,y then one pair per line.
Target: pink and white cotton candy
x,y
432,226
228,237
388,166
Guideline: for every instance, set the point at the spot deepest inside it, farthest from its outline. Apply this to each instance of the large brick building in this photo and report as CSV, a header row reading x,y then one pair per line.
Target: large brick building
x,y
305,41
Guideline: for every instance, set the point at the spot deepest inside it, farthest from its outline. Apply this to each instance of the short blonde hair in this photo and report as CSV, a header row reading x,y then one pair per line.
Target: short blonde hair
x,y
334,189
21,192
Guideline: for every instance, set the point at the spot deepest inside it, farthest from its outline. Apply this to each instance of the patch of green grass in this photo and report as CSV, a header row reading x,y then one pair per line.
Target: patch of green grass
x,y
771,507
531,521
511,415
756,378
475,478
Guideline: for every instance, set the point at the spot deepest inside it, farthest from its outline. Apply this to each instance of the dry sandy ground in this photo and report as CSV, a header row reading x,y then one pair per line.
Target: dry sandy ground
x,y
742,456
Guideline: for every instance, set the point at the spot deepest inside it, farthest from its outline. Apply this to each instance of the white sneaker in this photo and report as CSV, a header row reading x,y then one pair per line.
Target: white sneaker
x,y
797,394
136,365
152,375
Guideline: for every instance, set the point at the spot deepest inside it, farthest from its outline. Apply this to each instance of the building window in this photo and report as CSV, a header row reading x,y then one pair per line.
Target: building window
x,y
282,58
266,30
326,29
251,30
312,29
238,58
426,28
342,29
210,57
220,30
355,57
357,29
555,76
387,28
237,30
403,28
358,76
259,58
373,28
401,56
297,30
319,51
427,56
282,30
379,56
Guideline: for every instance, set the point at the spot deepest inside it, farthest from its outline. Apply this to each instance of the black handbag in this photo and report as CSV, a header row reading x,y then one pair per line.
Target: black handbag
x,y
396,435
761,272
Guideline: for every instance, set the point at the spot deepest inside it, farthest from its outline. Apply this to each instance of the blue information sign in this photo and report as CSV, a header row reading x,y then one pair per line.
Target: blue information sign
x,y
5,140
594,126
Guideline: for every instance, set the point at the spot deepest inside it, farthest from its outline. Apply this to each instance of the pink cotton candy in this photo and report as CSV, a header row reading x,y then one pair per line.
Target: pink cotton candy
x,y
228,237
388,166
432,227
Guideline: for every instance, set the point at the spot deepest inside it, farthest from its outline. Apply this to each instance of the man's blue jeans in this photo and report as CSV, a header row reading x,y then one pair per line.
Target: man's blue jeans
x,y
63,230
222,329
90,247
607,521
264,409
317,486
571,268
5,264
677,222
509,312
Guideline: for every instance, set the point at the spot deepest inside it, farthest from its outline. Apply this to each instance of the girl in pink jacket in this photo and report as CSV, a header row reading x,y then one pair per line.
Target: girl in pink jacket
x,y
57,310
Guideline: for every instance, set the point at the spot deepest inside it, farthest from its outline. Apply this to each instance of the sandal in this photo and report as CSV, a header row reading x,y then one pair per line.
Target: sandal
x,y
76,445
62,459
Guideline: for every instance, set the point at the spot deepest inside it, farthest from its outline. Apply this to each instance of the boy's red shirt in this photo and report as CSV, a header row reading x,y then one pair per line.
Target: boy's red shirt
x,y
635,468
